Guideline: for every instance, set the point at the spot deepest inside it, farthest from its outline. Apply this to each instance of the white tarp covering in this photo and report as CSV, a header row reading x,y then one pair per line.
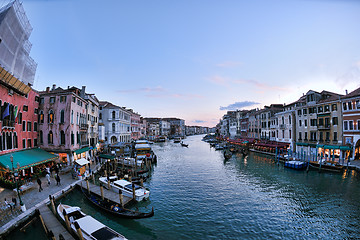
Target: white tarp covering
x,y
82,161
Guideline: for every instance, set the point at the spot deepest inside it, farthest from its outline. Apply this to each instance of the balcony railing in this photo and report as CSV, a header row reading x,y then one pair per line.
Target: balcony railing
x,y
324,127
8,123
84,126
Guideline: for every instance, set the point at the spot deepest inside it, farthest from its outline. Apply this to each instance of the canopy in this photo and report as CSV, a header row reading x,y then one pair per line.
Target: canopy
x,y
111,157
141,146
26,158
79,151
82,161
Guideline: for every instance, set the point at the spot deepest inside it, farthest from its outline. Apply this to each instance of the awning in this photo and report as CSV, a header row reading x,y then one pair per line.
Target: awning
x,y
79,151
111,157
302,144
82,161
26,158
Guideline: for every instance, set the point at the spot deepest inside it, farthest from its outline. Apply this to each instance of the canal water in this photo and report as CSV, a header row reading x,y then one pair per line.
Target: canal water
x,y
198,195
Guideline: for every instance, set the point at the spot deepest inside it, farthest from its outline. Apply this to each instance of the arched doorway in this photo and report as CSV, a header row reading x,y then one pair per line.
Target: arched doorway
x,y
113,139
357,150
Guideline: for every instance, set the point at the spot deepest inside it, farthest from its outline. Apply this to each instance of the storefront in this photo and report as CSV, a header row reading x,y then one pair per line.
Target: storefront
x,y
82,153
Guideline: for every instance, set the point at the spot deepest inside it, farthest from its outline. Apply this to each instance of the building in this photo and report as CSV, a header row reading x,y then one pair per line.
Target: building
x,y
135,124
165,128
15,47
350,104
268,130
177,126
63,126
143,126
116,121
254,124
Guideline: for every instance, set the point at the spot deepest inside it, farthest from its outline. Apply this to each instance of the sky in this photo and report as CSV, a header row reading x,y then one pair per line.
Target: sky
x,y
196,60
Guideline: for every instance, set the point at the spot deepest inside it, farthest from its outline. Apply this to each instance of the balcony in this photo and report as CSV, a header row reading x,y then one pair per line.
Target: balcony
x,y
324,127
84,126
93,134
282,126
6,123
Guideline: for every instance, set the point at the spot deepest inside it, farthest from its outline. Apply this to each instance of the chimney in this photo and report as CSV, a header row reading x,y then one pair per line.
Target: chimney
x,y
346,92
53,88
47,89
68,87
82,94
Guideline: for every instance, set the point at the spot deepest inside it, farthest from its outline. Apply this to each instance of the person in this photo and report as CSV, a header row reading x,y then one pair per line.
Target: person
x,y
57,179
39,182
14,201
48,178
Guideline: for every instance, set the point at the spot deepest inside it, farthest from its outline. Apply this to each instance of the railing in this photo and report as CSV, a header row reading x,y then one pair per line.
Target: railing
x,y
323,127
84,126
282,126
8,123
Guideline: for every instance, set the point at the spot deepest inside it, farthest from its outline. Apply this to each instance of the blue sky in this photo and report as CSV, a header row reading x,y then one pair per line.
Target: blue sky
x,y
196,59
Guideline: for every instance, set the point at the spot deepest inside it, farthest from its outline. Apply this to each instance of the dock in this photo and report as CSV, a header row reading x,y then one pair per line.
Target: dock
x,y
108,194
53,224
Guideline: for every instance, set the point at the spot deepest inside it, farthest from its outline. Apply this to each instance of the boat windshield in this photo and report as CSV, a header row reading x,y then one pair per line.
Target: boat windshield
x,y
104,234
129,187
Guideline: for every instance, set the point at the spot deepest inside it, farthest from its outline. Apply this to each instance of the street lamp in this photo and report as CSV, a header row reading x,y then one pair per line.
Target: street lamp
x,y
16,175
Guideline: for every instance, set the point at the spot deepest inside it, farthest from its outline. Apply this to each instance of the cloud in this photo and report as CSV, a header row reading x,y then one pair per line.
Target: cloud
x,y
199,121
229,64
218,80
260,85
351,76
239,105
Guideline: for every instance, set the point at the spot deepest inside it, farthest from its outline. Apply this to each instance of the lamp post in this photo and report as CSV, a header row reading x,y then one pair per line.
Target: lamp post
x,y
22,205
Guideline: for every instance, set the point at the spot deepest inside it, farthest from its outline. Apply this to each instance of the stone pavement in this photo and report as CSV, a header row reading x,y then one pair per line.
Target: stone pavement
x,y
33,198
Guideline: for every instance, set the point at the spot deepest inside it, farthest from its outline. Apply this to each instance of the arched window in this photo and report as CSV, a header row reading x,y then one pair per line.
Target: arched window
x,y
15,141
77,118
78,138
62,137
50,137
100,115
41,117
72,138
51,116
113,114
41,137
62,116
113,127
9,140
1,146
72,116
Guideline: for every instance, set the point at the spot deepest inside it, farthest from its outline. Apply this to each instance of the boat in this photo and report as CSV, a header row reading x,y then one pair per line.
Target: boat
x,y
91,228
296,164
227,154
125,186
327,165
219,146
177,139
144,151
130,162
184,145
114,207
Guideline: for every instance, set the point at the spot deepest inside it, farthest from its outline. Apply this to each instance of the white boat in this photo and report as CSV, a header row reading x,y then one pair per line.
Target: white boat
x,y
177,139
91,228
130,161
116,184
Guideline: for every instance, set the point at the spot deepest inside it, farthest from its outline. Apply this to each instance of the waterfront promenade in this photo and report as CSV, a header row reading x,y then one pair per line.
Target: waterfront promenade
x,y
33,199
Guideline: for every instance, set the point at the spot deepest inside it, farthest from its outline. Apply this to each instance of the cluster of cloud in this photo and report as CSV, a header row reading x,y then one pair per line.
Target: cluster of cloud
x,y
351,76
239,105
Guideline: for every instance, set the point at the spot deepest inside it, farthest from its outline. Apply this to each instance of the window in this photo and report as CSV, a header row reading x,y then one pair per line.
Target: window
x,y
321,122
350,105
29,124
35,142
300,136
345,125
72,138
320,109
74,99
113,127
62,98
113,114
321,137
41,137
327,122
24,126
335,136
41,117
358,125
25,108
289,119
42,100
357,104
20,118
351,125
335,121
344,106
36,111
327,108
304,111
51,116
62,137
37,99
305,122
334,107
299,112
29,143
77,118
52,100
306,137
50,137
24,143
78,137
100,116
62,116
72,116
327,138
299,123
312,136
312,110
35,127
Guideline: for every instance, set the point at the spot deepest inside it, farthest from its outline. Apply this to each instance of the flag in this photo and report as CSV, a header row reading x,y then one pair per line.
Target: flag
x,y
6,112
15,112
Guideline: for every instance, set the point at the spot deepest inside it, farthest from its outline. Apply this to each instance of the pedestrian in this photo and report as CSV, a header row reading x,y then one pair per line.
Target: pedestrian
x,y
14,201
48,178
39,182
57,179
57,169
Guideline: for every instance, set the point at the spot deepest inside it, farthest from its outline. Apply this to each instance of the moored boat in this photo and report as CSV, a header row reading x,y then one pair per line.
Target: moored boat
x,y
126,187
177,139
327,165
184,145
295,164
91,228
114,208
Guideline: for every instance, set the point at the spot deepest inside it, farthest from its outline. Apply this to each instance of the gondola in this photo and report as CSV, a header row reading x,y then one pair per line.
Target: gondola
x,y
184,145
115,208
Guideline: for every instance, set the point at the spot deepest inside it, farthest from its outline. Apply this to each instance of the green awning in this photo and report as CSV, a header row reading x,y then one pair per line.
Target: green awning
x,y
323,115
26,158
111,157
331,147
302,144
312,145
345,148
79,151
320,146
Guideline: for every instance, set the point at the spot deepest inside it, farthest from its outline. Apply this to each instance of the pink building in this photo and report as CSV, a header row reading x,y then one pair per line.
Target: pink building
x,y
135,124
63,123
19,114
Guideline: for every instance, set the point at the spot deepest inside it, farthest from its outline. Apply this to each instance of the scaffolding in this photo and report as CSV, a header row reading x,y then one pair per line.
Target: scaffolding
x,y
15,47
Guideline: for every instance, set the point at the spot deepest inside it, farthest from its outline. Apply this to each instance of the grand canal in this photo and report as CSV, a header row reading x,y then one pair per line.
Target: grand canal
x,y
198,195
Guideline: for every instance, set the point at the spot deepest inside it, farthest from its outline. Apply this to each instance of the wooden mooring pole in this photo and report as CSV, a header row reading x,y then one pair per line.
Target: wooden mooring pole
x,y
52,201
102,192
37,211
67,222
78,230
121,198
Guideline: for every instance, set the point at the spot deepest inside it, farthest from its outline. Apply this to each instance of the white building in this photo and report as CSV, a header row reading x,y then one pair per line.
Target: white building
x,y
117,122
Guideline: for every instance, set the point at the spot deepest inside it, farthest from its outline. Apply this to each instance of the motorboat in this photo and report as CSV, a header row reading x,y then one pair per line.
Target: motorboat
x,y
126,187
91,228
177,139
130,161
296,164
